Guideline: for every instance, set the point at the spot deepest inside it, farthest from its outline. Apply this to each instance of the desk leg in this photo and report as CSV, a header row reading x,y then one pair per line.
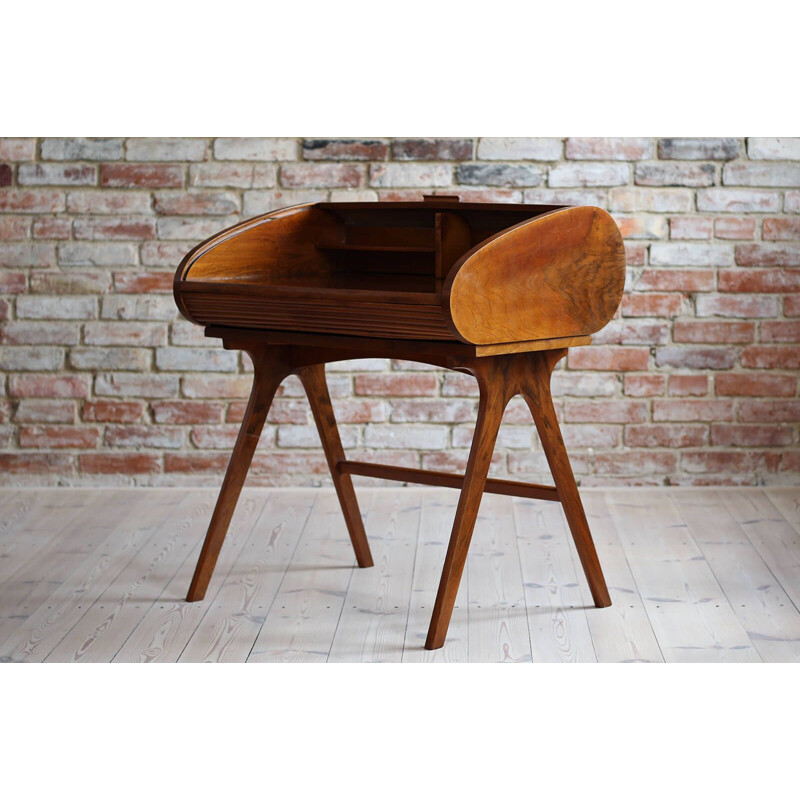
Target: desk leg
x,y
493,400
536,391
313,379
269,373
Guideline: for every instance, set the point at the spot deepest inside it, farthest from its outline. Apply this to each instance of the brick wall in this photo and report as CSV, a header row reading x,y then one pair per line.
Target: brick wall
x,y
695,382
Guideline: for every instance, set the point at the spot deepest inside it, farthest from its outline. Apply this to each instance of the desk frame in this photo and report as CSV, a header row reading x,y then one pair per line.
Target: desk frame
x,y
502,372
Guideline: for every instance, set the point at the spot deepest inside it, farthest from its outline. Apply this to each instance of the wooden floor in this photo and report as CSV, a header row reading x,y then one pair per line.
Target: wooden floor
x,y
100,575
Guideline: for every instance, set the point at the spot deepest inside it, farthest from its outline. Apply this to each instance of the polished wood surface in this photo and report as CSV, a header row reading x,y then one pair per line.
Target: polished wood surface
x,y
696,575
497,291
439,270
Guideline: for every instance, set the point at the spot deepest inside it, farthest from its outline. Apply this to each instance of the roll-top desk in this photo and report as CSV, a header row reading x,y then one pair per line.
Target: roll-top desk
x,y
496,290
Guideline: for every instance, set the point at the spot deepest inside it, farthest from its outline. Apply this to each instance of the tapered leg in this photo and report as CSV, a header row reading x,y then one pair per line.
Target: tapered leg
x,y
490,411
536,391
313,379
269,372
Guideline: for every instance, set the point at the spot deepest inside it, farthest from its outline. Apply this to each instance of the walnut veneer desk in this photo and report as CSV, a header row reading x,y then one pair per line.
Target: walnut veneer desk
x,y
496,290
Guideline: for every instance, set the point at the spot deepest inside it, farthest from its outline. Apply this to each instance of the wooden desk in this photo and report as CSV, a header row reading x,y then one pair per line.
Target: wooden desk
x,y
499,291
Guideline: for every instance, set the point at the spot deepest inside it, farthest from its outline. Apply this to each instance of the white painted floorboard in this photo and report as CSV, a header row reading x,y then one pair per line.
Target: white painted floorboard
x,y
99,575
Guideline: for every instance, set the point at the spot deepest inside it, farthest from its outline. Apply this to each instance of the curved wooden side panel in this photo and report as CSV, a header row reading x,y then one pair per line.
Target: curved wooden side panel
x,y
283,241
560,274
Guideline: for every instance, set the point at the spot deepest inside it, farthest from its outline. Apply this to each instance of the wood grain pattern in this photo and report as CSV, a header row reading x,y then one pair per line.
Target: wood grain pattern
x,y
103,629
560,274
498,630
557,617
487,274
759,601
129,526
687,608
232,622
164,631
522,281
438,510
706,571
302,620
372,626
622,633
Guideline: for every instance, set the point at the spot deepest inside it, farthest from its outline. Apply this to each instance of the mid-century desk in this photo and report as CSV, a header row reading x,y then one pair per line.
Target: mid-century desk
x,y
499,291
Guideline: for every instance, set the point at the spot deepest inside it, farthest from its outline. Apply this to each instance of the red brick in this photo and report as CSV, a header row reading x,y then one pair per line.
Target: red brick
x,y
609,148
396,385
34,201
617,359
769,410
105,201
113,410
17,149
676,280
690,227
57,436
781,228
780,331
37,463
301,176
195,462
735,228
151,436
790,462
157,176
635,463
633,331
438,410
36,410
37,332
359,411
432,149
344,150
651,305
591,435
714,332
642,226
768,255
688,385
143,282
768,357
754,385
665,435
73,281
5,309
162,254
696,357
692,410
119,463
12,282
644,385
767,280
720,461
14,228
187,412
193,203
52,228
49,385
56,175
791,305
606,411
751,435
114,228
736,306
6,175
635,254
